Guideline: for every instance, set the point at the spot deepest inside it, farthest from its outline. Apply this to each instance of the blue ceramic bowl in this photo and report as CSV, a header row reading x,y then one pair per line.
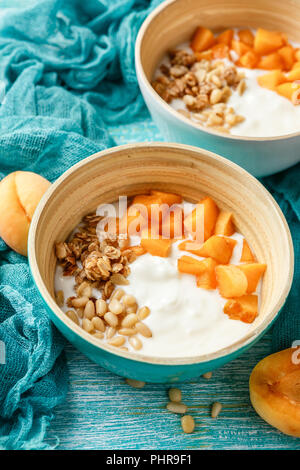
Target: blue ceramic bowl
x,y
192,172
172,23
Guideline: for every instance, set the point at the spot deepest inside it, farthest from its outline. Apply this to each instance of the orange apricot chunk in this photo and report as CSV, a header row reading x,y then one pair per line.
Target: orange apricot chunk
x,y
247,255
243,308
219,248
207,278
172,224
133,221
253,272
167,198
249,60
297,55
20,193
207,212
203,39
220,51
272,79
190,246
287,55
271,62
288,90
296,66
190,265
275,391
156,246
239,47
232,282
225,37
247,37
266,42
224,224
293,75
204,55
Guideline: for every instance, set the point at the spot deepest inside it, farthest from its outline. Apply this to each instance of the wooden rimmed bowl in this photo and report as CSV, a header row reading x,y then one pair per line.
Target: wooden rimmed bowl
x,y
172,23
193,173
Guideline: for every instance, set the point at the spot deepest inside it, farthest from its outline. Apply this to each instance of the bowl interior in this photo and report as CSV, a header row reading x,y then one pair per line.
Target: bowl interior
x,y
189,171
175,21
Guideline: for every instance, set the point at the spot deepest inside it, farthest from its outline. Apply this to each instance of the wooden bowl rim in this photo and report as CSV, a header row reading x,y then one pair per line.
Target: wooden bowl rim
x,y
155,96
168,361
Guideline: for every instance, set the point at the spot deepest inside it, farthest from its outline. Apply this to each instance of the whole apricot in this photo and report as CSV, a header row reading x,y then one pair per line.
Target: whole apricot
x,y
20,193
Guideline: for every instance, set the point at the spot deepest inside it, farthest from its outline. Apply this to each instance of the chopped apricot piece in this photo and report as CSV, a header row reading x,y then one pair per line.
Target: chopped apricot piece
x,y
288,90
219,248
266,42
190,246
172,224
247,37
225,37
204,55
271,62
247,255
207,279
190,265
287,55
239,47
275,392
205,212
243,308
293,75
156,246
297,55
167,198
232,282
220,51
224,224
253,272
296,66
249,60
271,80
132,222
203,39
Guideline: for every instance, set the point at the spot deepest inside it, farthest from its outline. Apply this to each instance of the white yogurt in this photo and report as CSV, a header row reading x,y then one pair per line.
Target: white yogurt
x,y
266,113
185,320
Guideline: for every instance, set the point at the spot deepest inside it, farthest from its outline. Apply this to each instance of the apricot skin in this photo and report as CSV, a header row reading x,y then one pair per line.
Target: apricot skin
x,y
20,193
275,391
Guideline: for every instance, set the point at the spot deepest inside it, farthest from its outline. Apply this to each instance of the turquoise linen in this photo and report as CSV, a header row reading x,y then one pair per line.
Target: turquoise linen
x,y
68,71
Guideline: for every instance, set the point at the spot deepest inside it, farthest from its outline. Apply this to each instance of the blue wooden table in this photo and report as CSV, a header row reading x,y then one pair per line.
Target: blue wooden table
x,y
103,412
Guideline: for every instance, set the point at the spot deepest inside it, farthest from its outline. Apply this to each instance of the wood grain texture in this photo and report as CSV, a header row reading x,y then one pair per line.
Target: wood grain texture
x,y
102,412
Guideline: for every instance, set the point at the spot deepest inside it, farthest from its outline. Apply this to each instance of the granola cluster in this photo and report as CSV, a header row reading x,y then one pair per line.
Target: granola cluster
x,y
103,264
204,86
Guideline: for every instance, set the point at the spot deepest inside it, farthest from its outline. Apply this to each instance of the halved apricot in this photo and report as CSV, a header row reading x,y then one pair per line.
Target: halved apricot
x,y
203,39
253,272
275,390
207,278
224,224
232,282
266,42
243,308
247,255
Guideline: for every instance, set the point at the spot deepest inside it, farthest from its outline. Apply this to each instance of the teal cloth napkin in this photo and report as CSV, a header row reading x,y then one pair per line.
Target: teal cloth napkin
x,y
68,71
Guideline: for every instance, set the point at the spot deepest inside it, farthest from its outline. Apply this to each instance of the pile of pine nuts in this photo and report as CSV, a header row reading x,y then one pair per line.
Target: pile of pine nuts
x,y
117,320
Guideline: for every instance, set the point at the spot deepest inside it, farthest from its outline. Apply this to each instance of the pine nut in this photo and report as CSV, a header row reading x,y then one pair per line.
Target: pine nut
x,y
72,315
207,375
123,348
175,394
187,424
143,313
143,329
101,307
123,243
216,96
135,342
130,320
89,310
110,332
80,312
60,298
135,383
127,331
216,409
117,341
177,407
87,325
111,319
84,290
117,294
80,302
98,324
98,335
131,309
115,307
129,300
